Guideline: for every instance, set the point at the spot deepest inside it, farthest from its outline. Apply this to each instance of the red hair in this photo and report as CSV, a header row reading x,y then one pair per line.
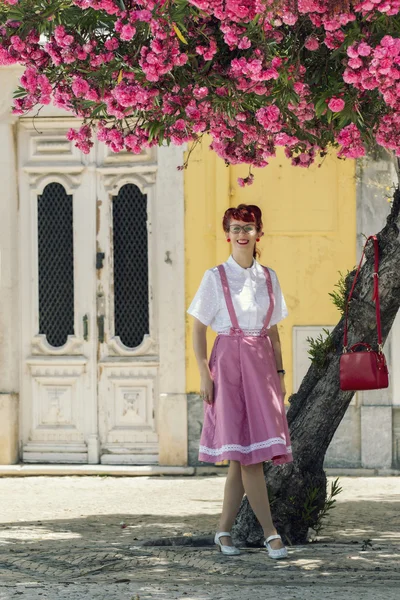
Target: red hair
x,y
249,213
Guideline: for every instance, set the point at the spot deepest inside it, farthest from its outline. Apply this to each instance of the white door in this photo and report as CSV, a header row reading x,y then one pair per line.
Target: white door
x,y
127,350
89,368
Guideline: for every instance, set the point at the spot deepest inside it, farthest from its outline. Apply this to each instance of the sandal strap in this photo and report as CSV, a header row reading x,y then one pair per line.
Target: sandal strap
x,y
221,534
273,537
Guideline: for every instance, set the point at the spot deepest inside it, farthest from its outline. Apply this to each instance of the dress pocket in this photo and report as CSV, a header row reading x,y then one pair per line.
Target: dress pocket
x,y
213,356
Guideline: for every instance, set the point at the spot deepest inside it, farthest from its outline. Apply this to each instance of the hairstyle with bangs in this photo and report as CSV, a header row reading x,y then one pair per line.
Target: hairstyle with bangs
x,y
249,213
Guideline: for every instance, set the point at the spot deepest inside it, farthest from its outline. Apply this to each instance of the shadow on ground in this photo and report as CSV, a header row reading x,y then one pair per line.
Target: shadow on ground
x,y
361,541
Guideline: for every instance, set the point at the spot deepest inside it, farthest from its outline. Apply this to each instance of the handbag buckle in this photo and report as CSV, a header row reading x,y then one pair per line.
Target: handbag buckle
x,y
380,348
344,349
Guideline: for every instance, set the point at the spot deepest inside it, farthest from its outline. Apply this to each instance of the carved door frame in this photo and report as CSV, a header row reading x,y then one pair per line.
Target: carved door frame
x,y
157,367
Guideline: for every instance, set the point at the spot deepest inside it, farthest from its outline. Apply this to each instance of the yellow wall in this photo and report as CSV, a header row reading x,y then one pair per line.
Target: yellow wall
x,y
310,234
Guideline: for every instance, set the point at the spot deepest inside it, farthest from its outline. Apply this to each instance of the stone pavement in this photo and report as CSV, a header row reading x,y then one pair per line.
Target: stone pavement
x,y
61,538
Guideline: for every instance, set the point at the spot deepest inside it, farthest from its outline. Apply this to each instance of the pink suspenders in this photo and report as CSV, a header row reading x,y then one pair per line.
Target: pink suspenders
x,y
271,298
235,329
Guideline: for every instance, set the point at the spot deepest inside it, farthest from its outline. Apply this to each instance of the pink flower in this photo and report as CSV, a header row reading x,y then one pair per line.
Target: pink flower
x,y
311,43
200,93
111,44
355,63
336,104
82,138
207,52
180,125
17,43
299,88
350,139
244,43
269,117
80,87
276,62
364,49
199,127
127,32
352,51
249,180
333,40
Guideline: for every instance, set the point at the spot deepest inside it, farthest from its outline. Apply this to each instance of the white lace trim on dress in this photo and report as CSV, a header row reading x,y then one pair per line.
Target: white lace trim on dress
x,y
245,449
248,332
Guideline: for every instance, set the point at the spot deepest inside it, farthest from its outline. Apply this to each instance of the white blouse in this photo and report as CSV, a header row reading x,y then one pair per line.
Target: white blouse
x,y
250,298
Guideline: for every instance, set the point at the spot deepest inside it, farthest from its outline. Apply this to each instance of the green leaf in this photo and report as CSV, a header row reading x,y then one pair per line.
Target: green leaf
x,y
320,106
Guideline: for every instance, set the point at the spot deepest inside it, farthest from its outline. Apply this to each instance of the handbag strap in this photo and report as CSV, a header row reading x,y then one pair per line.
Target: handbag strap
x,y
375,293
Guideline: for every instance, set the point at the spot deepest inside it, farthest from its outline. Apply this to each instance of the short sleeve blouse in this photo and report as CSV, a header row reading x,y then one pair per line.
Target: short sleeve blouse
x,y
249,295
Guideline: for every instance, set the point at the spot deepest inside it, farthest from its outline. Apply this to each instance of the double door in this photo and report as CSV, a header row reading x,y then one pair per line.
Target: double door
x,y
88,328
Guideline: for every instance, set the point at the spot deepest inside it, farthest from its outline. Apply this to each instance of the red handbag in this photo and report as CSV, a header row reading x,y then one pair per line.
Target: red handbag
x,y
365,370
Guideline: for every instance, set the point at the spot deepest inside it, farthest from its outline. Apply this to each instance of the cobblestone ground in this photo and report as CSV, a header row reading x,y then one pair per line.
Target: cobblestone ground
x,y
61,538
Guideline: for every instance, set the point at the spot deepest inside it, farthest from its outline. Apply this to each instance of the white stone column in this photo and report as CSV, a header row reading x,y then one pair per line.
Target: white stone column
x,y
170,261
9,325
375,180
376,437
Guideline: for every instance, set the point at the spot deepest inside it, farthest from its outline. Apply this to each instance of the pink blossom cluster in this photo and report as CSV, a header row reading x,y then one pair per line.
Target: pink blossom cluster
x,y
378,68
64,49
336,104
249,84
387,133
250,74
270,118
207,51
303,157
161,58
132,140
134,96
350,140
82,138
334,39
253,69
109,6
304,109
233,10
235,36
245,142
126,98
387,7
38,87
240,140
13,49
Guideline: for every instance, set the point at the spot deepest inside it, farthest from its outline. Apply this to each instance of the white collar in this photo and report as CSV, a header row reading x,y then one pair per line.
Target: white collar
x,y
236,267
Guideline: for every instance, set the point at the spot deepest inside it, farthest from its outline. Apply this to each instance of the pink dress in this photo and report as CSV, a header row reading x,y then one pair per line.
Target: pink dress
x,y
247,420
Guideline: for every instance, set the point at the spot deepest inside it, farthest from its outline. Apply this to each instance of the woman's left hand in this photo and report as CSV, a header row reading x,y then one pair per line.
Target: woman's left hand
x,y
283,386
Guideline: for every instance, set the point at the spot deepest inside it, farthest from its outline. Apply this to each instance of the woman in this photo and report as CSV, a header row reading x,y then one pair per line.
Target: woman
x,y
243,384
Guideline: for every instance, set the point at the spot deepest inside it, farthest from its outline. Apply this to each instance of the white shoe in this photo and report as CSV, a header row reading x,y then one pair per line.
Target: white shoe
x,y
228,550
275,553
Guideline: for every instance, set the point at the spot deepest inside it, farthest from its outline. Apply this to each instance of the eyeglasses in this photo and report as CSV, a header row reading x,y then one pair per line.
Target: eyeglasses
x,y
245,228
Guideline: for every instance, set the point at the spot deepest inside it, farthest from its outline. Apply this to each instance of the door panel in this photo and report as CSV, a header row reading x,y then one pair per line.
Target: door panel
x,y
57,402
128,357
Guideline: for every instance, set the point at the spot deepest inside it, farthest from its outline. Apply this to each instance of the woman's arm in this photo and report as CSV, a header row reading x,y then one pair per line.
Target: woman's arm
x,y
200,350
276,345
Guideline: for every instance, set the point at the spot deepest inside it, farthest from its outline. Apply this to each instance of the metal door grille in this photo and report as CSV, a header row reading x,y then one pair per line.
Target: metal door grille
x,y
56,264
131,281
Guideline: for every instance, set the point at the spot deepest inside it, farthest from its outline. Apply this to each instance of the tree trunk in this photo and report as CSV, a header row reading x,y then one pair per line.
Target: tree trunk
x,y
318,407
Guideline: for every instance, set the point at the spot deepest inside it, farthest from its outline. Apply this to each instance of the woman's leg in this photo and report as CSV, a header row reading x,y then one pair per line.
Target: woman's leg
x,y
233,495
256,492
